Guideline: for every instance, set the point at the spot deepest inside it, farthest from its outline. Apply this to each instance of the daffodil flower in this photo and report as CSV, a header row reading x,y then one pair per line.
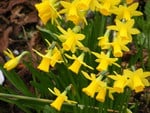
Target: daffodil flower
x,y
120,82
52,57
106,6
14,61
91,89
47,10
96,86
104,40
61,98
56,57
70,39
104,61
125,29
118,45
85,5
137,79
45,62
126,12
78,61
72,13
102,90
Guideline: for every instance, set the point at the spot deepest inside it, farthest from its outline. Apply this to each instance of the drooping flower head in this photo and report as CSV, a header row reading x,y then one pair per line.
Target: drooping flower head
x,y
61,98
102,90
91,89
72,12
106,6
51,57
118,46
104,40
78,61
47,10
70,39
104,61
137,79
14,61
124,29
120,82
126,12
85,5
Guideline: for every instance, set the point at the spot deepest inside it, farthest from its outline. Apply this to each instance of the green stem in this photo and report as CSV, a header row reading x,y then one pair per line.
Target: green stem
x,y
13,97
22,54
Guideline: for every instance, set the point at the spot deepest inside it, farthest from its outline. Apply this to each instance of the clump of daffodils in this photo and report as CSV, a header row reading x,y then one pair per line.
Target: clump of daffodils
x,y
71,50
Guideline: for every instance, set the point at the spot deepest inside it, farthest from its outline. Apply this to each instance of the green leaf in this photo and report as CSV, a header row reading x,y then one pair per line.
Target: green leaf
x,y
19,105
16,81
147,10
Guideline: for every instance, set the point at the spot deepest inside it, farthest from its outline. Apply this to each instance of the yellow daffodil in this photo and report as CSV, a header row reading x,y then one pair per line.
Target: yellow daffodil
x,y
56,57
126,12
101,92
46,10
104,61
137,79
125,29
88,4
78,61
106,6
70,39
120,82
91,89
14,61
61,98
104,40
46,59
118,45
97,86
72,13
52,57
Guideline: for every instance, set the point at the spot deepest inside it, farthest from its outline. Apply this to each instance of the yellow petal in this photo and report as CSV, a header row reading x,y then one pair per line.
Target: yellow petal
x,y
133,6
57,92
134,31
9,53
86,75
